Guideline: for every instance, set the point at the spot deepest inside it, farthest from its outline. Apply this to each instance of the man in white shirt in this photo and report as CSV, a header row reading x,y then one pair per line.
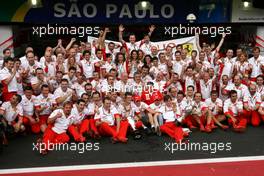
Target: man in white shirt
x,y
49,65
61,119
13,113
240,88
109,123
226,65
215,105
251,101
256,61
80,123
199,114
38,81
27,103
233,110
87,65
71,76
64,93
24,61
8,79
44,105
170,113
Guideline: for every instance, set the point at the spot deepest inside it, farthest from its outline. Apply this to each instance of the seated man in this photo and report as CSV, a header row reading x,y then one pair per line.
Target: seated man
x,y
199,114
13,114
64,93
27,103
44,105
145,113
215,105
169,113
80,124
129,114
233,110
157,116
60,119
251,102
109,123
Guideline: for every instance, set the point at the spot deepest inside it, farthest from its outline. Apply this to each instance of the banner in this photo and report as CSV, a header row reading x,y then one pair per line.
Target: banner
x,y
188,42
113,11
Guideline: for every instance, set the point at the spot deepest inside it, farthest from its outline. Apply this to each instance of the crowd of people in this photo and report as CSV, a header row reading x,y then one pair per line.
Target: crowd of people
x,y
91,90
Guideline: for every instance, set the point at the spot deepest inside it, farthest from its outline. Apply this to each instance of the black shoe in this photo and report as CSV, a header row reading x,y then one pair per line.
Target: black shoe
x,y
137,135
114,140
147,131
153,130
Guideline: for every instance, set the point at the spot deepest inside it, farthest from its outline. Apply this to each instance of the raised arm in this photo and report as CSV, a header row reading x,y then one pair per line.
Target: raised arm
x,y
120,34
198,42
101,39
221,42
70,44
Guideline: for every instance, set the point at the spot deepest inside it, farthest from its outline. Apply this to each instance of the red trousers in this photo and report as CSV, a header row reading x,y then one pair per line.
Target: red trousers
x,y
253,117
93,126
51,137
190,121
77,130
241,119
172,130
106,130
43,119
35,128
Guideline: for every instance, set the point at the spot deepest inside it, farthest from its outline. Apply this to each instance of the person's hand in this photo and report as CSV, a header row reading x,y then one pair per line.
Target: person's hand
x,y
152,28
59,42
121,28
223,35
73,39
107,29
58,115
14,70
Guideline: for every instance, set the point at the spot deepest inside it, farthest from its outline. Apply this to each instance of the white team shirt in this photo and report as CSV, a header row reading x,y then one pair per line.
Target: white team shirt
x,y
256,65
62,123
12,86
59,93
28,105
46,102
252,100
77,116
106,116
242,89
167,113
213,106
141,108
88,68
234,107
10,114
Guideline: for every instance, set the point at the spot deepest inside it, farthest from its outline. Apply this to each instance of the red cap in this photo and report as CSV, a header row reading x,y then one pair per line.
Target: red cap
x,y
157,96
137,98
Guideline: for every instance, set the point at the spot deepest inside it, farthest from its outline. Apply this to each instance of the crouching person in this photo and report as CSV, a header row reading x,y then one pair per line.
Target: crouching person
x,y
199,114
80,124
12,113
233,110
169,113
60,119
109,123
